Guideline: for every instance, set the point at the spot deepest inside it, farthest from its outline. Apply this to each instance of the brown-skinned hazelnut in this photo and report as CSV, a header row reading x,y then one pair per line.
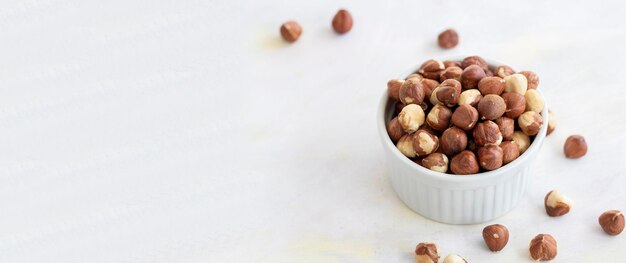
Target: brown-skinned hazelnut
x,y
551,122
507,127
394,129
491,85
429,85
448,39
575,147
426,253
503,71
515,83
474,60
487,133
534,100
405,146
510,151
490,157
612,222
451,63
439,117
465,117
515,104
437,162
543,247
464,163
496,237
393,88
342,22
471,76
452,141
411,118
556,204
491,107
470,97
522,140
290,31
431,69
453,72
530,122
531,78
424,143
411,92
447,93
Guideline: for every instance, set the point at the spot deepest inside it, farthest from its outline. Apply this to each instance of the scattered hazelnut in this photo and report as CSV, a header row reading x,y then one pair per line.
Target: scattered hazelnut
x,y
426,253
575,147
447,93
394,129
551,122
515,83
452,258
515,104
487,133
393,88
452,141
474,60
342,22
556,204
453,72
290,31
510,151
496,237
470,97
439,117
431,69
491,107
450,63
424,143
612,222
465,117
491,85
532,79
542,247
530,122
436,161
534,100
490,157
506,126
429,85
414,76
448,39
522,140
411,92
503,71
405,145
471,76
411,118
464,163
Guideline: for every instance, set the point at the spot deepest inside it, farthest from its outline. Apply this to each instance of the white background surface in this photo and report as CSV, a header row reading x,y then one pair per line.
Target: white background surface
x,y
187,131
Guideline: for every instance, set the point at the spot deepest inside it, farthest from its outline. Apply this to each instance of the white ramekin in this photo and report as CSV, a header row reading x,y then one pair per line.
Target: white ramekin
x,y
456,199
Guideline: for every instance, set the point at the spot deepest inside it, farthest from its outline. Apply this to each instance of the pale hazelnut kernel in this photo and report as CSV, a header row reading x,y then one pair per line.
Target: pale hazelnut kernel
x,y
507,127
411,118
510,151
487,133
452,141
424,143
612,222
515,104
448,92
515,83
394,129
393,88
532,78
491,85
491,107
437,162
496,237
452,258
433,97
542,247
439,117
405,146
530,122
522,140
431,69
451,73
470,97
465,117
551,122
503,71
534,100
471,76
464,163
426,253
575,147
474,60
411,92
556,204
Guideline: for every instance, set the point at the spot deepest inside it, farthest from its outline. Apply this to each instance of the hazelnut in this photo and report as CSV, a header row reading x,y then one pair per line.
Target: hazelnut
x,y
491,107
474,60
394,129
556,204
506,126
447,93
531,78
426,253
515,83
503,71
470,97
465,117
405,145
510,151
515,104
551,122
411,118
464,163
342,22
490,157
612,222
290,31
448,39
452,258
429,85
431,69
496,237
452,141
439,117
491,85
530,122
450,63
542,247
436,161
453,72
393,88
411,92
424,143
534,101
487,133
575,147
522,140
471,76
414,76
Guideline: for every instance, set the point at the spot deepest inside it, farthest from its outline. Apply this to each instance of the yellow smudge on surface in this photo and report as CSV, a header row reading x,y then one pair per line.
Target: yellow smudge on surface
x,y
266,39
326,249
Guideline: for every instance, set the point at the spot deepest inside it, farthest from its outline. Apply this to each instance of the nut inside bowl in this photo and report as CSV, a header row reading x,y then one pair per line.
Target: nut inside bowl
x,y
456,199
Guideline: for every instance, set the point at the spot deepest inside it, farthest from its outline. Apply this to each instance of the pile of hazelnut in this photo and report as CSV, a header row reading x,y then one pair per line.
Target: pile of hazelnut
x,y
465,116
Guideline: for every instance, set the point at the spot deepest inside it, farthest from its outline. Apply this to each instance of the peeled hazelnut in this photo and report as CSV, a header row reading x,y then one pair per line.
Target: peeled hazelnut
x,y
464,163
448,92
424,143
575,147
452,258
510,151
491,85
414,76
411,92
532,79
487,133
515,104
465,117
490,157
439,117
431,69
522,140
426,253
491,107
452,141
429,85
551,122
556,204
450,63
612,222
542,247
474,60
534,100
471,76
496,237
453,72
503,71
342,22
411,118
448,39
405,146
507,127
515,83
393,88
290,31
394,129
470,97
530,122
437,162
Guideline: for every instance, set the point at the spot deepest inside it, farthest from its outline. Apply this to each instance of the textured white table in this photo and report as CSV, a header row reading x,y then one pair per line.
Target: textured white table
x,y
163,131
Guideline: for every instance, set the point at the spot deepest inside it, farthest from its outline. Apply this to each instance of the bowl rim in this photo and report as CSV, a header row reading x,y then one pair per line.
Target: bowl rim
x,y
533,149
